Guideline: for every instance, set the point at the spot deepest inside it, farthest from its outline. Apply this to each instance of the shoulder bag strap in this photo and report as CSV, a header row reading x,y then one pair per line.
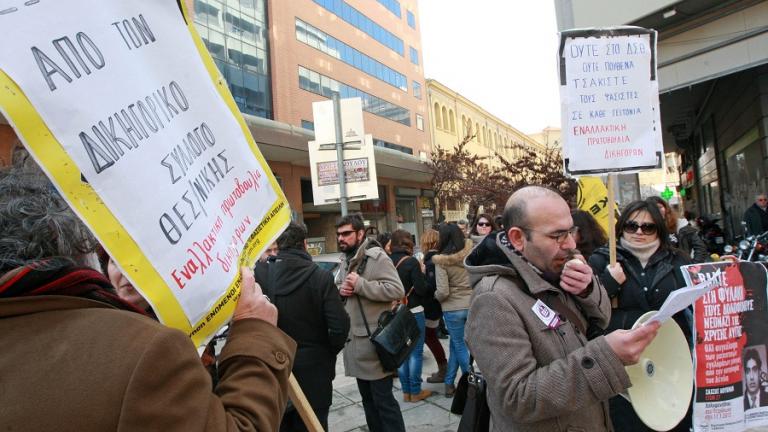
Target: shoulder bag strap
x,y
362,314
404,300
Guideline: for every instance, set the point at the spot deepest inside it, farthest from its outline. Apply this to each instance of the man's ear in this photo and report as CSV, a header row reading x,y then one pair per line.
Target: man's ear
x,y
306,246
516,237
360,236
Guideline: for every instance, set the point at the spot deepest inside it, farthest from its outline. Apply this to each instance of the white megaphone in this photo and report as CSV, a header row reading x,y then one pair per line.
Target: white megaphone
x,y
662,381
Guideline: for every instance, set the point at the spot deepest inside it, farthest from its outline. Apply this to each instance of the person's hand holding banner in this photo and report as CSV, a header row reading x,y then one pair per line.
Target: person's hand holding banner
x,y
252,303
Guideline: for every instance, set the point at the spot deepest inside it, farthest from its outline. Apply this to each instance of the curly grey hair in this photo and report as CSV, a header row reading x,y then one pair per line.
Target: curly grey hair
x,y
37,224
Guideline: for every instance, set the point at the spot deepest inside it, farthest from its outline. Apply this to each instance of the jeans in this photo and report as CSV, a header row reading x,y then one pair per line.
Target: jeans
x,y
459,355
410,370
382,412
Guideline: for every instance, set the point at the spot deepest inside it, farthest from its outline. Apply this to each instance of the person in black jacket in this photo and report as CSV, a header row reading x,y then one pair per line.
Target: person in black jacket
x,y
311,312
756,216
409,270
432,310
647,270
681,234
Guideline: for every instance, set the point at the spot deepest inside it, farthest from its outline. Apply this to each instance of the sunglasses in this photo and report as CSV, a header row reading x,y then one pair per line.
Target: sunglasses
x,y
484,224
646,228
344,233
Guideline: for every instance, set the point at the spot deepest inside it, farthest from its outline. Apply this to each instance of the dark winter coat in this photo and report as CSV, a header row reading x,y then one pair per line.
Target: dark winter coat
x,y
432,309
311,312
411,276
689,242
645,289
756,219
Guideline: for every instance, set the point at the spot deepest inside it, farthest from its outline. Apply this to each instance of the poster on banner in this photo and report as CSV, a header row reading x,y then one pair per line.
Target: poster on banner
x,y
159,162
731,339
609,99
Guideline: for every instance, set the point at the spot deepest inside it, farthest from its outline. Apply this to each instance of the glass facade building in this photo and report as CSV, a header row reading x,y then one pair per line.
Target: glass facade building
x,y
235,32
320,40
354,17
314,82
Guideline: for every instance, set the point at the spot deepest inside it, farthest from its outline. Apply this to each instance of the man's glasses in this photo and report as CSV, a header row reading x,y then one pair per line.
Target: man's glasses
x,y
646,228
559,236
483,224
344,233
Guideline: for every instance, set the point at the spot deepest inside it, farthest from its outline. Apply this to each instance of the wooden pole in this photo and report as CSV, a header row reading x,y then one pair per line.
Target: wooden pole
x,y
612,228
611,219
302,406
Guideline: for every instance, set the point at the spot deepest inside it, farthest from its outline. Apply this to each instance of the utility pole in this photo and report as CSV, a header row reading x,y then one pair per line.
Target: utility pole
x,y
340,154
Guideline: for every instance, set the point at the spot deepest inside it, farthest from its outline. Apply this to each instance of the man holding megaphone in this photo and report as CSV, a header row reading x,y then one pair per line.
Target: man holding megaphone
x,y
534,305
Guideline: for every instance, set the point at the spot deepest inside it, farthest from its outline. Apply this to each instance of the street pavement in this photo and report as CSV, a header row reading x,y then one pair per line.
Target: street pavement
x,y
430,415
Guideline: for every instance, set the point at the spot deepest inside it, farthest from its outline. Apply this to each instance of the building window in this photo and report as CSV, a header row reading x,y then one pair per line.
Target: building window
x,y
381,143
318,39
416,90
444,112
436,115
312,81
306,124
414,56
419,122
352,16
393,6
411,19
236,37
453,121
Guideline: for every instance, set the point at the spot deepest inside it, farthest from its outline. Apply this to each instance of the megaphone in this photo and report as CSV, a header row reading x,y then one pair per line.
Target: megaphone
x,y
662,381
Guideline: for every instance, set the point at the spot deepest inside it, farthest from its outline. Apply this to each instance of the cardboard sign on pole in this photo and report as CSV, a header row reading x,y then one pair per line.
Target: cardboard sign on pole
x,y
121,105
609,97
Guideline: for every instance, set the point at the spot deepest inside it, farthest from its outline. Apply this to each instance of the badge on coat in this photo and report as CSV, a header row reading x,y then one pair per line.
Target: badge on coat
x,y
546,315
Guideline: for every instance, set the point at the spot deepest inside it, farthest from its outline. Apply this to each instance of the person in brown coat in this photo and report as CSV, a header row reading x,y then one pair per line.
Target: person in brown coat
x,y
528,320
77,357
371,284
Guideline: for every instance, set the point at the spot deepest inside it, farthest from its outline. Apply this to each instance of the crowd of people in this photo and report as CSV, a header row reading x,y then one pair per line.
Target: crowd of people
x,y
76,326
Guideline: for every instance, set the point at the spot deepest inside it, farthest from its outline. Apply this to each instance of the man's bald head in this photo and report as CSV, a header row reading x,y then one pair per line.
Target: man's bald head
x,y
515,211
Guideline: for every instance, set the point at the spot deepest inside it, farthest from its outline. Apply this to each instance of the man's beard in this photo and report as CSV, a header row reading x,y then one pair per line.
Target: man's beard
x,y
351,249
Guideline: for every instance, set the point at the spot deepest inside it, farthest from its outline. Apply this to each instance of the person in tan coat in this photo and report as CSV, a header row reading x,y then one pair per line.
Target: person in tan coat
x,y
527,328
78,358
370,282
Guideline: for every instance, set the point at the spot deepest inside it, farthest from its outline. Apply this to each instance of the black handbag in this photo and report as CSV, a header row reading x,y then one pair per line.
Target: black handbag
x,y
395,336
470,401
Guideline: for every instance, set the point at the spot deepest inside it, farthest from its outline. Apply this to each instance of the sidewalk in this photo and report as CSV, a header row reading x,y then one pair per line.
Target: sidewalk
x,y
430,415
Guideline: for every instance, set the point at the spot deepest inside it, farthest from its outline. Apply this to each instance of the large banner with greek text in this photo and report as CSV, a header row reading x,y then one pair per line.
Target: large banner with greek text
x,y
731,336
609,99
121,105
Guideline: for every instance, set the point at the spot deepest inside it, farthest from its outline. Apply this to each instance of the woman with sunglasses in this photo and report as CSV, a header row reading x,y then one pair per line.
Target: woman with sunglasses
x,y
647,270
482,227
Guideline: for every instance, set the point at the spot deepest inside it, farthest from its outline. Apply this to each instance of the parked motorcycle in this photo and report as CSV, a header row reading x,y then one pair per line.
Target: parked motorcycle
x,y
751,248
712,235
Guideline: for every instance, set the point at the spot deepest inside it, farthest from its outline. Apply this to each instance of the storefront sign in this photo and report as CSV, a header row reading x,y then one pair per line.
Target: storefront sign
x,y
609,100
730,334
123,108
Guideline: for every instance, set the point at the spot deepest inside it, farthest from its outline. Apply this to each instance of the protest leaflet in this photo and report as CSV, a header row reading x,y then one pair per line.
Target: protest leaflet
x,y
123,108
730,334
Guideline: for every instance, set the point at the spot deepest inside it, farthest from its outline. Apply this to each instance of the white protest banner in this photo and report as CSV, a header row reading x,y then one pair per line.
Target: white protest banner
x,y
359,162
121,105
609,100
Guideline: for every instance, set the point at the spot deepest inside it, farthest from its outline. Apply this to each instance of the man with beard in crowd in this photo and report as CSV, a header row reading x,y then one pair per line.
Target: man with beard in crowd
x,y
370,285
